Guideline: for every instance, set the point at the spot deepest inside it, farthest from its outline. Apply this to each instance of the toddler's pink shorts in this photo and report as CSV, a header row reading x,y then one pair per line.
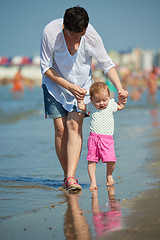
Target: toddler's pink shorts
x,y
101,147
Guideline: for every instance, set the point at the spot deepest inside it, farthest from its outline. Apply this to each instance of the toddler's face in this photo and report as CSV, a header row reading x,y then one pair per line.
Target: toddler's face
x,y
100,100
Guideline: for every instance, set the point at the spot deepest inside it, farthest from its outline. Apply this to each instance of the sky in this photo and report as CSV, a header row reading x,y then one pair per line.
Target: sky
x,y
122,24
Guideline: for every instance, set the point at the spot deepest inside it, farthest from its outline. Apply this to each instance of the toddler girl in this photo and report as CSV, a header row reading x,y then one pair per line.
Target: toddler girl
x,y
100,142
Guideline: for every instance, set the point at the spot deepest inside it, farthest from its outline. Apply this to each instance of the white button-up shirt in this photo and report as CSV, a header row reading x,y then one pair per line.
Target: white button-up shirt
x,y
76,68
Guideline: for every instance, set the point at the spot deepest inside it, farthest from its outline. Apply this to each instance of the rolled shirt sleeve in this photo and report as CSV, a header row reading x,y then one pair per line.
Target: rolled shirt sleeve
x,y
46,53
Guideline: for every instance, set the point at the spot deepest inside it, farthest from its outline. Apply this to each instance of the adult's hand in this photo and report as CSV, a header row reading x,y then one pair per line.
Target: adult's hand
x,y
123,95
78,92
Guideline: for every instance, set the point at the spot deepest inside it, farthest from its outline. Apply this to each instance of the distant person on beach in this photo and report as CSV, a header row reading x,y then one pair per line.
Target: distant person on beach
x,y
152,87
18,87
67,47
136,94
100,142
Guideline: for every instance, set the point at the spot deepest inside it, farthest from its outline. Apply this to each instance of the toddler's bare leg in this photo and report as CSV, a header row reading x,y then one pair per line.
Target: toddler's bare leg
x,y
92,175
110,169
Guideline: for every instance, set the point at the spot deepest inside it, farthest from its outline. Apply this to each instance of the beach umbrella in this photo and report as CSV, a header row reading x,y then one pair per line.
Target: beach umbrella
x,y
21,60
36,60
4,60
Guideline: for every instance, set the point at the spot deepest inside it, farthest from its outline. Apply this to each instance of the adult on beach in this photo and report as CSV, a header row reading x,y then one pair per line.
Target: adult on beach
x,y
67,47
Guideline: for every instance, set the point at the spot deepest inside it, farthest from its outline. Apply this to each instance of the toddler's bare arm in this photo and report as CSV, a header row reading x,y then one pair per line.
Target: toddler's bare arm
x,y
81,105
120,104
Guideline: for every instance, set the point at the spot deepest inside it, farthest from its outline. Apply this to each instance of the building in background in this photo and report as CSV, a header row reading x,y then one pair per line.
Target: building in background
x,y
157,59
147,60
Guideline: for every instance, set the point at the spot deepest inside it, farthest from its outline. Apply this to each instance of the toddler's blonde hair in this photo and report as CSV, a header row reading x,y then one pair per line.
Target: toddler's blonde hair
x,y
98,87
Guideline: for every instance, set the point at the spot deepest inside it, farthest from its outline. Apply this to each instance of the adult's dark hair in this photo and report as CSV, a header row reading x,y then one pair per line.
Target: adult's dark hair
x,y
76,19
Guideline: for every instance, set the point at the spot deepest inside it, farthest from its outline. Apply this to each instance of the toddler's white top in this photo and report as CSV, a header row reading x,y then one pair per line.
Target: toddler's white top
x,y
102,121
75,69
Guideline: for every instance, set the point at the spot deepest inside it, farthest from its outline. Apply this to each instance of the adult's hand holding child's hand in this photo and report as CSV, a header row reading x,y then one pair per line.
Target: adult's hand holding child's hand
x,y
123,95
78,92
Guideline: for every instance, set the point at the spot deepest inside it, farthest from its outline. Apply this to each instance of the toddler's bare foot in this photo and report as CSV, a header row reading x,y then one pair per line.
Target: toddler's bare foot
x,y
110,181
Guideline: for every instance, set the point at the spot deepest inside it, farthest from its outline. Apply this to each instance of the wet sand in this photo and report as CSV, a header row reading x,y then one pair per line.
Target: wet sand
x,y
144,219
30,176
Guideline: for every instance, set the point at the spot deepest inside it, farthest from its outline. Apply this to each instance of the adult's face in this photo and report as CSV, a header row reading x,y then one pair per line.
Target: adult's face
x,y
74,36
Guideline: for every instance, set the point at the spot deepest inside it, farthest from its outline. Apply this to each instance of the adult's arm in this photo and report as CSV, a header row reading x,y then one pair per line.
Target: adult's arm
x,y
98,52
114,78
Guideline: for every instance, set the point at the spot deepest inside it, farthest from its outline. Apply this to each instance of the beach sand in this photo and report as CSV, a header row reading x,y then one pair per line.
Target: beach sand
x,y
144,219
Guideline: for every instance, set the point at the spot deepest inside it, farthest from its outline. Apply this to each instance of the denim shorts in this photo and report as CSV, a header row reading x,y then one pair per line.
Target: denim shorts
x,y
53,109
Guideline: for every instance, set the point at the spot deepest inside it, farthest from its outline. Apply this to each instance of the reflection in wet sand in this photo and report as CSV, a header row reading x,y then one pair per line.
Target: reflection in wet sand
x,y
110,220
75,224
